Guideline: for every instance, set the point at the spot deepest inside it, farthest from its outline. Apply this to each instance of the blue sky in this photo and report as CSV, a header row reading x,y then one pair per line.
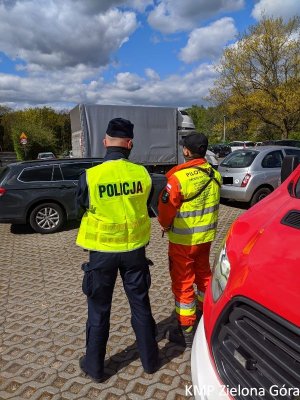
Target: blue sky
x,y
144,52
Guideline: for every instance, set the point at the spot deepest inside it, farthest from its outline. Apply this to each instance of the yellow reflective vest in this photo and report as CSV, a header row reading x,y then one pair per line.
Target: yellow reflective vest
x,y
196,220
117,219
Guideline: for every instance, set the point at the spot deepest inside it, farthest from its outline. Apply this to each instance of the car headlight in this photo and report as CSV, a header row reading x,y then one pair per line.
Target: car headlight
x,y
221,271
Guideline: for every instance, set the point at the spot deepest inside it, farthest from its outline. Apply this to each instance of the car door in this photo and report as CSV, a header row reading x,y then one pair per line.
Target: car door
x,y
35,183
271,165
70,175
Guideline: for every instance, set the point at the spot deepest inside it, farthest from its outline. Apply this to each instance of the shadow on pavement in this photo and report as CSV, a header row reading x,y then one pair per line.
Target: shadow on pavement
x,y
21,229
235,204
24,229
125,357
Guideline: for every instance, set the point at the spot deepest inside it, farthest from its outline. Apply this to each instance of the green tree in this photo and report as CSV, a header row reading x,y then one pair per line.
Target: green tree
x,y
259,82
46,129
209,121
5,140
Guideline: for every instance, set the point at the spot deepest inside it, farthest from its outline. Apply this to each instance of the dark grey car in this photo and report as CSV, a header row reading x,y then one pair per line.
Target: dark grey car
x,y
41,193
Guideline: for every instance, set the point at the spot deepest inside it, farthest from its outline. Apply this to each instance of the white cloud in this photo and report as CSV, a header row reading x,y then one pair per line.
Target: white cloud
x,y
276,8
127,88
128,81
171,16
174,91
208,42
151,74
53,34
139,5
92,7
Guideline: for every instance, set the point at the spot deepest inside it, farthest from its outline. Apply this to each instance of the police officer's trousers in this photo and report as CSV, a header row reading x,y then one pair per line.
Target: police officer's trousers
x,y
98,284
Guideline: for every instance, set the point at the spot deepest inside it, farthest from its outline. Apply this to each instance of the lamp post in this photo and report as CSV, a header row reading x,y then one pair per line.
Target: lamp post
x,y
224,128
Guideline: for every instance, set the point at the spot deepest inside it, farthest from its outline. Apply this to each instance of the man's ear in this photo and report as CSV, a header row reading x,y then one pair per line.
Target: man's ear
x,y
104,143
186,151
129,144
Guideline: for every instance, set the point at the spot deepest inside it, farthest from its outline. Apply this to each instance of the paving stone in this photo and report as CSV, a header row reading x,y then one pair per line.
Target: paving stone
x,y
43,313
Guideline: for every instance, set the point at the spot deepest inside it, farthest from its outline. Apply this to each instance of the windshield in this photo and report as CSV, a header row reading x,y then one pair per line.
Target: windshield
x,y
239,159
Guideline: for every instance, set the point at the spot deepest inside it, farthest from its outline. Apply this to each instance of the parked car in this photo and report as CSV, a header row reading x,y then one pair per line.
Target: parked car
x,y
240,144
249,175
45,156
42,193
220,150
283,142
211,159
247,344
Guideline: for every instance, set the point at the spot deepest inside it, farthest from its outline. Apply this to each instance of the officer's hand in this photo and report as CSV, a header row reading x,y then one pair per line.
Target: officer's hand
x,y
164,229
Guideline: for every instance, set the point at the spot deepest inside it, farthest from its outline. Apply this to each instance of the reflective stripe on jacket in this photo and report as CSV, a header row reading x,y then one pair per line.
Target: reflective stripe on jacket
x,y
196,220
117,219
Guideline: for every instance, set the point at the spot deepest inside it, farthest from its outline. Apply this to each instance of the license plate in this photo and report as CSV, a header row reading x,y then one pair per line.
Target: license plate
x,y
227,180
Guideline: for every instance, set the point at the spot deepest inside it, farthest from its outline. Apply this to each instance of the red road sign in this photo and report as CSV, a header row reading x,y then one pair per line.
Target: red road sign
x,y
23,136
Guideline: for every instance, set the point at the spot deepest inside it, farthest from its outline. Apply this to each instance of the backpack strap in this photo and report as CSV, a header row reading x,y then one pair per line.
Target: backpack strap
x,y
210,173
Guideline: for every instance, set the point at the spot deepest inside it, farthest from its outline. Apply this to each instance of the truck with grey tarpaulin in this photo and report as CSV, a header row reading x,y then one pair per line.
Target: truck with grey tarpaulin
x,y
157,132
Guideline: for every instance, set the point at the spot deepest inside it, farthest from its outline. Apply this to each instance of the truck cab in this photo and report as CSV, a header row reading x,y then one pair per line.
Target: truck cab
x,y
247,344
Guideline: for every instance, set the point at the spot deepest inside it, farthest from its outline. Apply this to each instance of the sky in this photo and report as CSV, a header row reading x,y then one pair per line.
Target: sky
x,y
59,53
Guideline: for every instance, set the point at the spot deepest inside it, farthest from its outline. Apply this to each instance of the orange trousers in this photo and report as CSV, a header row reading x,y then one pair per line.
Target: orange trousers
x,y
189,265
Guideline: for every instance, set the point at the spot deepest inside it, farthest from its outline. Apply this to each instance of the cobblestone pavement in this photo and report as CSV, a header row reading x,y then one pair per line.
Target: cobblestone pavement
x,y
43,314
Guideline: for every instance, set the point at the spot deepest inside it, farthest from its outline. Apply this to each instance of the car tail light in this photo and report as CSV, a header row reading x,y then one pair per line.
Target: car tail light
x,y
2,191
245,180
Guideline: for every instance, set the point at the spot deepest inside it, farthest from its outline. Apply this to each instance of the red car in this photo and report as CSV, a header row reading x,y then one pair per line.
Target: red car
x,y
247,345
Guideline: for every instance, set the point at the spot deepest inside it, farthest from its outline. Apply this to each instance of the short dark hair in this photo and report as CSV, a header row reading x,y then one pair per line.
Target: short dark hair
x,y
196,142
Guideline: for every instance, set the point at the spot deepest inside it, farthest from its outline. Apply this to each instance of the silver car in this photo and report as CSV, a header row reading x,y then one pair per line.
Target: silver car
x,y
249,175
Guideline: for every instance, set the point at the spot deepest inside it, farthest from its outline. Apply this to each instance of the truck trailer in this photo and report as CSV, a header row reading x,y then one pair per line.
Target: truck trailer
x,y
157,132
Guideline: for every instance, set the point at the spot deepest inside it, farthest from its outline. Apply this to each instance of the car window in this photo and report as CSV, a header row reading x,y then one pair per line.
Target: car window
x,y
71,172
297,189
272,160
292,152
239,159
34,174
249,144
57,175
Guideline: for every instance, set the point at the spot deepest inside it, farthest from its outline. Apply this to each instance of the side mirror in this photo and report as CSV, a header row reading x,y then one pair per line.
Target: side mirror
x,y
289,163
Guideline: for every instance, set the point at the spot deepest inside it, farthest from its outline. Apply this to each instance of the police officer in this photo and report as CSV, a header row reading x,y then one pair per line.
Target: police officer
x,y
115,229
188,211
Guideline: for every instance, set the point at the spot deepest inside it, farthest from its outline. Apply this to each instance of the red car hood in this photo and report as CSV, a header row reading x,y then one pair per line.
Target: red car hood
x,y
264,255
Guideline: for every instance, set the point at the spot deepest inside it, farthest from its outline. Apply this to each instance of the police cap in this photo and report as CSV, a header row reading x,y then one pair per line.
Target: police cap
x,y
196,142
120,128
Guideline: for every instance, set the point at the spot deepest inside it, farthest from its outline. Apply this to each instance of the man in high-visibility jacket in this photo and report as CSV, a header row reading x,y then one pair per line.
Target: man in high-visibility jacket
x,y
188,211
115,229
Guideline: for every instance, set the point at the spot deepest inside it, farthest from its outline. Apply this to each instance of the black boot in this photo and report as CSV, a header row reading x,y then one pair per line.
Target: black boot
x,y
183,335
82,366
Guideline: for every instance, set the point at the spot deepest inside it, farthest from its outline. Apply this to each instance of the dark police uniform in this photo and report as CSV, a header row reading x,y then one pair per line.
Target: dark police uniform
x,y
100,274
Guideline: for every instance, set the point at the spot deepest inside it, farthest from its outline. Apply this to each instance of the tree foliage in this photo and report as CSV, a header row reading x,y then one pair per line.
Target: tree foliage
x,y
209,121
46,130
259,82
